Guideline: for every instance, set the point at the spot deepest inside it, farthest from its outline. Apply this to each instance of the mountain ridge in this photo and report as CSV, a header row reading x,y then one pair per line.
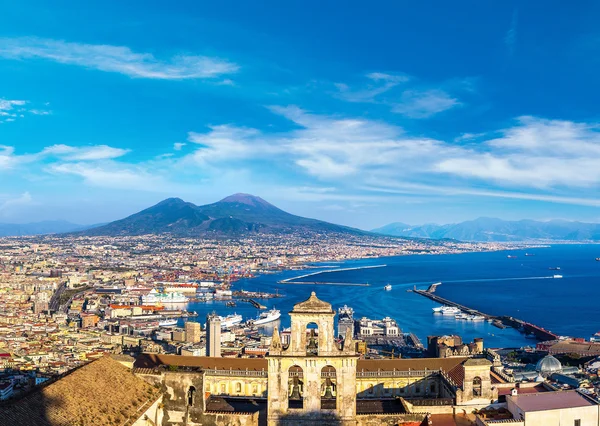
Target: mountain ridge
x,y
487,229
237,214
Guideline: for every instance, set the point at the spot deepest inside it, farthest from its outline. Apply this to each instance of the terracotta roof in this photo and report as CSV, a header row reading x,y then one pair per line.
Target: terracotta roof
x,y
550,401
202,362
445,364
101,392
235,405
313,305
379,406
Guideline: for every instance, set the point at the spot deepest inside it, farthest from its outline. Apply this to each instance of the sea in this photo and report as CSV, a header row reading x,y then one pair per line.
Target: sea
x,y
522,285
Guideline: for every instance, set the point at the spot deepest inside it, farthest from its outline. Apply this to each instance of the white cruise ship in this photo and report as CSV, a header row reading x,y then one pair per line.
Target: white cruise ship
x,y
267,317
230,320
446,310
156,298
168,322
388,287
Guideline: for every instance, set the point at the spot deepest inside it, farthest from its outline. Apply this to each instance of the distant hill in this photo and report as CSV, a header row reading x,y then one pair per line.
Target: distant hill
x,y
497,230
40,228
234,215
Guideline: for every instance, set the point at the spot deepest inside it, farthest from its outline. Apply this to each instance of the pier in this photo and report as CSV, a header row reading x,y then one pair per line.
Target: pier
x,y
254,303
524,327
293,279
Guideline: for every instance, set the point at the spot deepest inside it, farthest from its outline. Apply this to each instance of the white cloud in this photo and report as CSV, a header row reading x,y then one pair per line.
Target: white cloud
x,y
177,146
535,153
380,83
10,110
7,104
8,206
119,59
511,35
424,104
113,175
84,153
7,157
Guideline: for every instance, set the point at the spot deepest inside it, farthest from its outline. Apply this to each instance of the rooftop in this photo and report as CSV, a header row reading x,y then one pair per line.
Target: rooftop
x,y
81,398
550,401
313,305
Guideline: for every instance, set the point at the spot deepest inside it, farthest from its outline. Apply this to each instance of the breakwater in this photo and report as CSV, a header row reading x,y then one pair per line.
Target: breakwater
x,y
527,328
293,280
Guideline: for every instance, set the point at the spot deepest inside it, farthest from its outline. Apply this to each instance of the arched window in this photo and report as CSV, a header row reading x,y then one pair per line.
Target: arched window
x,y
328,388
238,387
295,387
477,391
312,339
190,395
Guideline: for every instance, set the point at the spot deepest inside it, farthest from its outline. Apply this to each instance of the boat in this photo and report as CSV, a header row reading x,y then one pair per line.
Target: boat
x,y
595,337
230,320
447,310
266,317
475,318
598,259
557,276
511,256
529,254
168,322
230,304
554,268
387,287
156,298
461,316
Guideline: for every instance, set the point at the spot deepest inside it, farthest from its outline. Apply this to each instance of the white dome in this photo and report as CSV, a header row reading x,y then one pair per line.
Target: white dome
x,y
548,365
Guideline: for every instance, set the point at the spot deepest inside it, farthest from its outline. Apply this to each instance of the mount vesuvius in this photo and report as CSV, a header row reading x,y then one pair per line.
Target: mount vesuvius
x,y
237,214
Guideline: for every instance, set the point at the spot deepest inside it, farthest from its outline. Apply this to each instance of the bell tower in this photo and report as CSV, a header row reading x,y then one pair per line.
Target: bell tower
x,y
313,378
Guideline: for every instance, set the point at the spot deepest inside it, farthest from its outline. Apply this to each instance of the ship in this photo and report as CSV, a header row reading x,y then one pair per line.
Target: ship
x,y
345,321
156,298
598,259
168,322
388,287
510,256
230,320
554,268
447,310
557,276
529,254
267,317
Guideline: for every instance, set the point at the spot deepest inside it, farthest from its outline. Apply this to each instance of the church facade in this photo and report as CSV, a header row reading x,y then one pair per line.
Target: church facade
x,y
316,380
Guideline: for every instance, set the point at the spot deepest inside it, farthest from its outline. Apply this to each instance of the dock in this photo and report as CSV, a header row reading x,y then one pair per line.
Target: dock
x,y
504,321
356,268
254,303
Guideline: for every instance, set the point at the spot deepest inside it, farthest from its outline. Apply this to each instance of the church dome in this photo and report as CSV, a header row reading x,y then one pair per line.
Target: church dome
x,y
548,365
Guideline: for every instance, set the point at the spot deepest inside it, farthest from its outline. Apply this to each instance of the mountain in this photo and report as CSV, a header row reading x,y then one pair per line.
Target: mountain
x,y
234,215
497,230
40,228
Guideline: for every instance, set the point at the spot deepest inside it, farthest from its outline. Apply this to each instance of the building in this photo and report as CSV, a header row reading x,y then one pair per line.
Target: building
x,y
453,346
345,321
314,379
213,335
192,332
386,327
549,409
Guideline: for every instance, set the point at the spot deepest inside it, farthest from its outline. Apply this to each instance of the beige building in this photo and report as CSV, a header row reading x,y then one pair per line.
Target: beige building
x,y
563,408
213,335
192,332
313,379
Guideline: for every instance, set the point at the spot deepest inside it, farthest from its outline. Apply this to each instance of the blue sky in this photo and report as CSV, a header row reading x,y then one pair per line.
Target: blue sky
x,y
356,113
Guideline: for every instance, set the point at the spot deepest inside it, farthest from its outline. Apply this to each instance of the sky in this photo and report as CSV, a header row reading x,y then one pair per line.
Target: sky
x,y
352,112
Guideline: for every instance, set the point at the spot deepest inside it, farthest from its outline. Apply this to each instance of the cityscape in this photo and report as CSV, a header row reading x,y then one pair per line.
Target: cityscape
x,y
299,213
